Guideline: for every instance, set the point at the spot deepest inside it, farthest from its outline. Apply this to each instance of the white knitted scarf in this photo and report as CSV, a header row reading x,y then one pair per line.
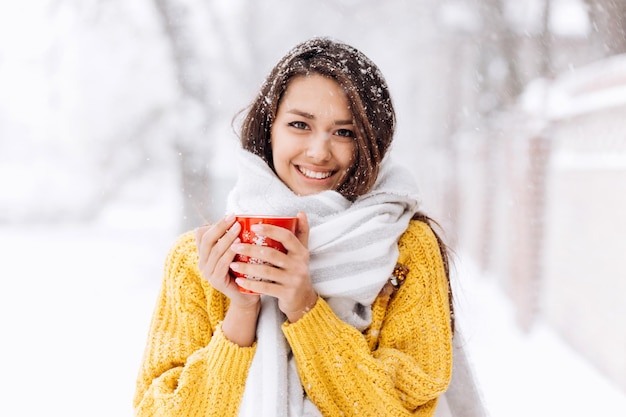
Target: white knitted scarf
x,y
353,250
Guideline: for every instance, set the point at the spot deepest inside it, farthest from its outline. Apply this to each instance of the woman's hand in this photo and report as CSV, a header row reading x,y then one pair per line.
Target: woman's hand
x,y
215,256
287,277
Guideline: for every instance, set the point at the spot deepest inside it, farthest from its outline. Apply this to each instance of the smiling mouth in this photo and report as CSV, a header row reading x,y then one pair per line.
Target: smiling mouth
x,y
316,175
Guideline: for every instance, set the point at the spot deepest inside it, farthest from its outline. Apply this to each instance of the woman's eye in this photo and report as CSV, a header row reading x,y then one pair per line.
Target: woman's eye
x,y
346,133
298,125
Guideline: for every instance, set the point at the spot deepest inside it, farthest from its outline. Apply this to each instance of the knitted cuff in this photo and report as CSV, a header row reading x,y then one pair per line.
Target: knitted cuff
x,y
228,358
319,323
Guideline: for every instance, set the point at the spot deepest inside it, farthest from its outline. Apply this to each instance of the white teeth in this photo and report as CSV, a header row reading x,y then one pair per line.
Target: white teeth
x,y
314,174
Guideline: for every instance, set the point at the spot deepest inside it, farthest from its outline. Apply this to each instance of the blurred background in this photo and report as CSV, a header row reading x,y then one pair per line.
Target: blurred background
x,y
117,134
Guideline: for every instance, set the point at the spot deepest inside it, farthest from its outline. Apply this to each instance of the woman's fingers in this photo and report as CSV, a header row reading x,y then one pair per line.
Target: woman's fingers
x,y
262,271
223,244
260,254
214,244
208,235
295,293
290,241
270,265
302,231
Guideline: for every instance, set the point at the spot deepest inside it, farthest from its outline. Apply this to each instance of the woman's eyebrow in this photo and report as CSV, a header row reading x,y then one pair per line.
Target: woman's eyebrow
x,y
301,113
310,116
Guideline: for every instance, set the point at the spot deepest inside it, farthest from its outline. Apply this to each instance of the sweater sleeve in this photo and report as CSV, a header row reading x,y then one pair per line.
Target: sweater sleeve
x,y
412,362
189,367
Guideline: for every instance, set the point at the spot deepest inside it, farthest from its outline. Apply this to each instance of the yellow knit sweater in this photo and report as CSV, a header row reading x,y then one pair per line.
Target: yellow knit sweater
x,y
397,367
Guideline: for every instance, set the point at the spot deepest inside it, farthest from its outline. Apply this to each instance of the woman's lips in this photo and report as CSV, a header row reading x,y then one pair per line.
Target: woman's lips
x,y
316,175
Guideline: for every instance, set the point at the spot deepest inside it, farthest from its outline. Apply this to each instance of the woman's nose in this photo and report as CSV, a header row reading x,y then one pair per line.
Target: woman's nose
x,y
318,147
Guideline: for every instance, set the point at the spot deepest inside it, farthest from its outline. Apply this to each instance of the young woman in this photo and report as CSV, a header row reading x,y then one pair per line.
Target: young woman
x,y
355,319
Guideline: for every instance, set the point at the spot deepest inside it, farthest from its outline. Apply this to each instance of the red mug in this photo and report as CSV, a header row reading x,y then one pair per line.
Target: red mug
x,y
248,236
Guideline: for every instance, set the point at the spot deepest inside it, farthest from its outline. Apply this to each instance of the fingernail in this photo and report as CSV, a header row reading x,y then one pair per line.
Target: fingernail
x,y
229,218
234,266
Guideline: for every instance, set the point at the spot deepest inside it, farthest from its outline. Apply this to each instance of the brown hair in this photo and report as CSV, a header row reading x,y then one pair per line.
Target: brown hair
x,y
444,250
367,94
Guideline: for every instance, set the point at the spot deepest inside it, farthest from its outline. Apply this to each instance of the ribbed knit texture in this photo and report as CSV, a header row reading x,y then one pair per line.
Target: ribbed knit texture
x,y
399,366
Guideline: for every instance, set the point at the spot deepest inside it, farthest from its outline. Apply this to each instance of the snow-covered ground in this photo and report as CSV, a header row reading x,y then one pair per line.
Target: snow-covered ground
x,y
75,302
519,374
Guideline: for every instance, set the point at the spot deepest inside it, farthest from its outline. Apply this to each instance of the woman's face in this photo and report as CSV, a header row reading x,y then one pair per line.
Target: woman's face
x,y
313,139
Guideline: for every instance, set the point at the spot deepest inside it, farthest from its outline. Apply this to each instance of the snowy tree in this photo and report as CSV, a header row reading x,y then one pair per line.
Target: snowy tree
x,y
608,18
202,51
191,112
